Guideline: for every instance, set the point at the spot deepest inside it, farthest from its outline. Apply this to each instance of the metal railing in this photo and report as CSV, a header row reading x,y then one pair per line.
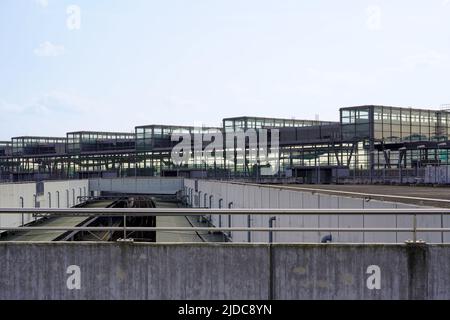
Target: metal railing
x,y
140,212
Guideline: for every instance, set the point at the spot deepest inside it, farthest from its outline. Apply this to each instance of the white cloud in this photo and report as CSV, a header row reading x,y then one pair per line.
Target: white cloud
x,y
10,107
426,59
52,103
373,18
48,49
339,77
59,112
42,3
421,61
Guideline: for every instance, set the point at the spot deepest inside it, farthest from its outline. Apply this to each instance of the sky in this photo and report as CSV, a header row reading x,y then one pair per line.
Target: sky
x,y
111,65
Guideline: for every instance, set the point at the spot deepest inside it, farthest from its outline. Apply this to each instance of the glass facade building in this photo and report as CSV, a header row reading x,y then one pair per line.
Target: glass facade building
x,y
92,141
365,141
393,125
5,148
37,145
95,154
284,158
154,146
397,137
244,123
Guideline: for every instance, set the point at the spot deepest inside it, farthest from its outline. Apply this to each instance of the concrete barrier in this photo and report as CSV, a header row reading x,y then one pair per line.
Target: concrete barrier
x,y
132,271
68,193
222,271
53,194
350,272
17,195
239,195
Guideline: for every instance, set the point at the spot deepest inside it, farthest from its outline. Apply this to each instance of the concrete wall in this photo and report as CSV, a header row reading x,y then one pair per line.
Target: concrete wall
x,y
56,194
17,195
137,271
67,193
208,271
137,185
226,194
64,194
343,272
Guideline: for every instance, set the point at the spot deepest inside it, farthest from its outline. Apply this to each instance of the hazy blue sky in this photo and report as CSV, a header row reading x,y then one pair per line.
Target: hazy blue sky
x,y
136,62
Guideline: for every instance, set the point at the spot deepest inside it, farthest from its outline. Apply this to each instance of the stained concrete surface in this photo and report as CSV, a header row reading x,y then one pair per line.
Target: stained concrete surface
x,y
223,271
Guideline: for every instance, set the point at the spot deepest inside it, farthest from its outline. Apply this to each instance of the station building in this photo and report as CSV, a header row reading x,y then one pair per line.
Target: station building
x,y
368,142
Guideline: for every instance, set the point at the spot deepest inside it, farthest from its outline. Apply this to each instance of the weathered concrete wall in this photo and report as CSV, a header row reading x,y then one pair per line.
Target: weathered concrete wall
x,y
212,271
137,185
341,272
136,271
217,194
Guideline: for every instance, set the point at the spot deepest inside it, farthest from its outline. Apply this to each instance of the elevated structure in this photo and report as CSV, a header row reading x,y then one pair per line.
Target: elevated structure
x,y
5,148
100,154
38,145
154,146
94,141
397,137
245,122
367,144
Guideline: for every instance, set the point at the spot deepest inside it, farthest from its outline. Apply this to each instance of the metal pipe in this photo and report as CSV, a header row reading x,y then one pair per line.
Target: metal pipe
x,y
249,225
271,221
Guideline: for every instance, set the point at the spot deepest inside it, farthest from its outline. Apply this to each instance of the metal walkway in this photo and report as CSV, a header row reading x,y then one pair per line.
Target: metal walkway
x,y
41,235
174,221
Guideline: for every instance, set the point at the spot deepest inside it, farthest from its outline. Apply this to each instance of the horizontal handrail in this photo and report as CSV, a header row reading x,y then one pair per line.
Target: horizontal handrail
x,y
130,212
214,229
200,212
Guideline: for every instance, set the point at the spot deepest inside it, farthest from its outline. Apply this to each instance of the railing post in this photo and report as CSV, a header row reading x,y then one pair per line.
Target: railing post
x,y
415,228
249,225
124,227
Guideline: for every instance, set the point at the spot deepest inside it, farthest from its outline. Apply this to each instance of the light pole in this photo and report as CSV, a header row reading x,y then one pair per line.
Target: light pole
x,y
371,164
421,147
387,151
318,171
400,162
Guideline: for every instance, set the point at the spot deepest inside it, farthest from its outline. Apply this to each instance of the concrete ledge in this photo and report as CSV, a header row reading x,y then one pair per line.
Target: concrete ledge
x,y
222,271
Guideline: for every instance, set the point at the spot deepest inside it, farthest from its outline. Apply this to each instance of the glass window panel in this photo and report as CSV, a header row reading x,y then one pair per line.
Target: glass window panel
x,y
363,114
346,113
395,116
